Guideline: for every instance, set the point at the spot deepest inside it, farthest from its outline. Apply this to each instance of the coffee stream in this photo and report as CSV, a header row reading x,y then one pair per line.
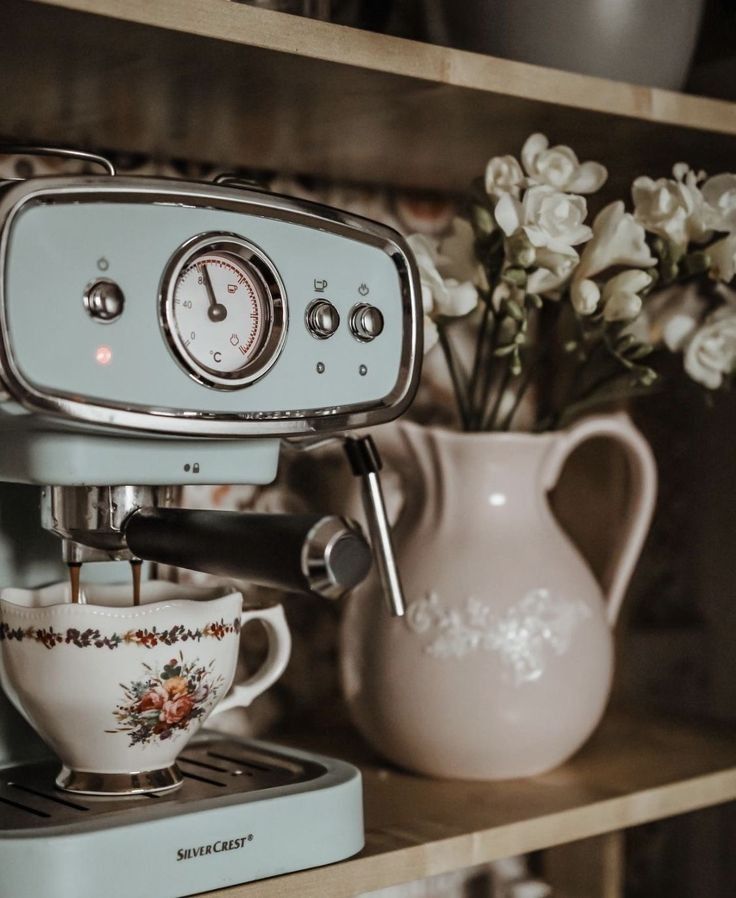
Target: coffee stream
x,y
135,566
75,569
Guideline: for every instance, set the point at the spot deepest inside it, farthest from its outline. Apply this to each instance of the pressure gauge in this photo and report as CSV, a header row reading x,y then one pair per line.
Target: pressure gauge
x,y
223,310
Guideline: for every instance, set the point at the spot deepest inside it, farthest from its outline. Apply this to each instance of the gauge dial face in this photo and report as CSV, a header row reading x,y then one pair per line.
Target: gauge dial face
x,y
223,311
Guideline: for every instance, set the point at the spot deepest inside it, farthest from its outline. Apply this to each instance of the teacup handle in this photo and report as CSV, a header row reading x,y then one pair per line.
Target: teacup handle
x,y
279,650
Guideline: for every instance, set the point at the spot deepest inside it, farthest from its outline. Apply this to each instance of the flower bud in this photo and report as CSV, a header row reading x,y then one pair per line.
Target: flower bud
x,y
513,309
483,220
519,250
585,295
515,276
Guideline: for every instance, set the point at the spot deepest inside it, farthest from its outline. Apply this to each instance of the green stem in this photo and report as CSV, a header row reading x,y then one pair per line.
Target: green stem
x,y
490,421
524,385
478,358
488,370
455,376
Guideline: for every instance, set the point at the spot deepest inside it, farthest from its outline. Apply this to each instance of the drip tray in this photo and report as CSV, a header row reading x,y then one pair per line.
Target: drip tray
x,y
246,810
212,771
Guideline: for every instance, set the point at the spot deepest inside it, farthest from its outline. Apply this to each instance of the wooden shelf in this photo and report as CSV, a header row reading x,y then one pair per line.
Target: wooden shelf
x,y
634,770
218,81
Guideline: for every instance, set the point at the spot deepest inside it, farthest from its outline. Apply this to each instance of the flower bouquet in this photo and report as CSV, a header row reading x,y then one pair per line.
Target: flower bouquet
x,y
586,314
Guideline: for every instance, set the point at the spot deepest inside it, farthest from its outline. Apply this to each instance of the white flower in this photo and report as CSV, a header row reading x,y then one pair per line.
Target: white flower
x,y
674,209
676,331
431,334
440,296
585,295
670,316
711,353
720,194
722,255
553,271
620,296
548,218
503,175
559,167
617,240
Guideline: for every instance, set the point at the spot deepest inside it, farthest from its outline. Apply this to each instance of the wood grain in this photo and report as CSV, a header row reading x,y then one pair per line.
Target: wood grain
x,y
634,770
234,85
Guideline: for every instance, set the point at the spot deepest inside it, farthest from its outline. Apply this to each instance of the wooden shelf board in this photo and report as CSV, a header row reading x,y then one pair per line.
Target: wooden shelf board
x,y
219,81
634,770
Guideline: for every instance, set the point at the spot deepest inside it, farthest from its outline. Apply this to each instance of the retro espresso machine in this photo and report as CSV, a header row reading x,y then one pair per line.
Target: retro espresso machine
x,y
155,334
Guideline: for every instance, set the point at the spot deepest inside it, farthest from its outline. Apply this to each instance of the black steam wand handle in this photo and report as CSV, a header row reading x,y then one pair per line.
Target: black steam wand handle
x,y
321,554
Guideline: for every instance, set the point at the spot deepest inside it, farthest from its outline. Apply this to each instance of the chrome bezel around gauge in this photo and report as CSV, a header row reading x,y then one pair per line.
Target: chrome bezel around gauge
x,y
263,271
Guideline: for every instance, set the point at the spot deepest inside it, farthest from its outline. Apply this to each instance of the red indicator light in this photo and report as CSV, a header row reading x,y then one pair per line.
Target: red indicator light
x,y
103,355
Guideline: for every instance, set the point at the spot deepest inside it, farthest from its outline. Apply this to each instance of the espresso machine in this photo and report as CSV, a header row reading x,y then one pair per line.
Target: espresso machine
x,y
156,334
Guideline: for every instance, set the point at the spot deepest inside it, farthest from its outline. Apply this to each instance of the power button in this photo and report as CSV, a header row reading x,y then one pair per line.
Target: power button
x,y
104,301
366,322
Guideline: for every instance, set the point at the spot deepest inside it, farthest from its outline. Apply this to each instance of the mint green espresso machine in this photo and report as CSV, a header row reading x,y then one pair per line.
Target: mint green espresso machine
x,y
156,334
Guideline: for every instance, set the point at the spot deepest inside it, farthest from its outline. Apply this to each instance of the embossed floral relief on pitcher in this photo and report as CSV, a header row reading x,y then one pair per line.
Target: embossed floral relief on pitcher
x,y
502,664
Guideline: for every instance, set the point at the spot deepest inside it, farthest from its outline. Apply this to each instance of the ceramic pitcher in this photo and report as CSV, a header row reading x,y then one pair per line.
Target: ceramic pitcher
x,y
502,664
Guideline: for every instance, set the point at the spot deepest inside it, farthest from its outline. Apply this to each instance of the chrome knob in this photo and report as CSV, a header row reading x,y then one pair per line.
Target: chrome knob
x,y
322,319
104,301
366,322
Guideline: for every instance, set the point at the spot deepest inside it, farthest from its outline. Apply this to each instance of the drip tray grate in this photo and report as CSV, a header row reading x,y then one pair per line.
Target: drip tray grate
x,y
213,770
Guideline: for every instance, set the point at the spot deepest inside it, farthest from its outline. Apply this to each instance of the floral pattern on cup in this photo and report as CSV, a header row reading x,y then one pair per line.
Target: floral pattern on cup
x,y
158,705
92,638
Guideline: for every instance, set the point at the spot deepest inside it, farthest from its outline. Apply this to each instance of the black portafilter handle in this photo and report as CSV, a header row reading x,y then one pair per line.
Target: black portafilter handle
x,y
326,555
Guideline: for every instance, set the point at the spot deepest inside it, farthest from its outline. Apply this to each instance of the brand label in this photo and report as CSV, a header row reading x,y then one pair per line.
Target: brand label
x,y
187,854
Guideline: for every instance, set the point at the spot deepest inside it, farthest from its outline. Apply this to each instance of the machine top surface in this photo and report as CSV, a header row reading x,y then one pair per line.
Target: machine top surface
x,y
191,309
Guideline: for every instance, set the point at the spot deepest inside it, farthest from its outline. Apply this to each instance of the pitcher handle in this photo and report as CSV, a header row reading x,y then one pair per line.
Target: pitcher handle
x,y
643,491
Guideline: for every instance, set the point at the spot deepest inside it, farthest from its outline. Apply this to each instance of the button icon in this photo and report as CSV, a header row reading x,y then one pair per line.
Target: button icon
x,y
364,290
320,285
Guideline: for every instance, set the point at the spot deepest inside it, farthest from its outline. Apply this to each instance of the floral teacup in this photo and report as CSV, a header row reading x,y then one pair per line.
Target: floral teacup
x,y
118,690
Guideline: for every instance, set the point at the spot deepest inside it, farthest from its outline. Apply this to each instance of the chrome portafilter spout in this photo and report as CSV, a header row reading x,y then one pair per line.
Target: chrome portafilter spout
x,y
321,554
90,519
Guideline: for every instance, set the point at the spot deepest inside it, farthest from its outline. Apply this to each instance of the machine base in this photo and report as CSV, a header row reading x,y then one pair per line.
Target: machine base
x,y
246,810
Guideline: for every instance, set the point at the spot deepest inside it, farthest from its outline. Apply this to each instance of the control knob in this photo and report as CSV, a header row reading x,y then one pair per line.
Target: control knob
x,y
104,301
366,322
322,319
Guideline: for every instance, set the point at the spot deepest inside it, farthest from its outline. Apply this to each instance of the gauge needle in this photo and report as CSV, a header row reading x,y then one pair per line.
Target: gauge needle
x,y
216,311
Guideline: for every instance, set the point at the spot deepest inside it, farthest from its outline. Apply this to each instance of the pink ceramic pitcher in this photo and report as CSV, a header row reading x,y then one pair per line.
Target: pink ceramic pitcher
x,y
502,665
